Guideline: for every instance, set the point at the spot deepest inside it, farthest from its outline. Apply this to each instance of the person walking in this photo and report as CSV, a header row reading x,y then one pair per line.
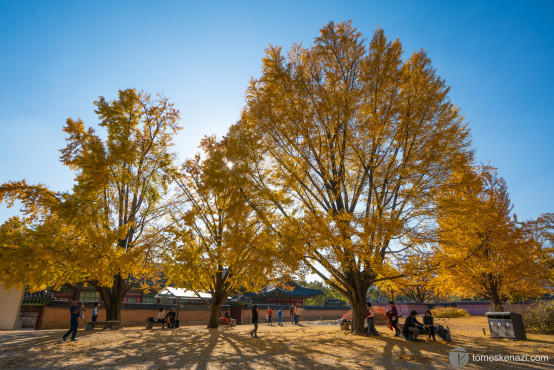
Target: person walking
x,y
269,314
429,323
280,317
75,311
393,314
254,332
371,321
95,309
291,310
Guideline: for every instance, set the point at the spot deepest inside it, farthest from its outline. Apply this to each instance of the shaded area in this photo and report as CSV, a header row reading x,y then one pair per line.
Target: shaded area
x,y
300,347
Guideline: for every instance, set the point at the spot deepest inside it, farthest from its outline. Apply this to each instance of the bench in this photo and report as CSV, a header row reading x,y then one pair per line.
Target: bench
x,y
150,324
420,331
114,325
233,322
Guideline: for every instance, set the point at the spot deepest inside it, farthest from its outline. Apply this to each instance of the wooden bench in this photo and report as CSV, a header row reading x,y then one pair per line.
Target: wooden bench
x,y
114,325
150,324
420,331
233,322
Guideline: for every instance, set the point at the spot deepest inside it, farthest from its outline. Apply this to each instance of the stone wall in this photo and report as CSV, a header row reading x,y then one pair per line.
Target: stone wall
x,y
57,316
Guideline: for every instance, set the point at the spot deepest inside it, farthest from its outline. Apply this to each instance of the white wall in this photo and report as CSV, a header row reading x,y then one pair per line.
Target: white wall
x,y
10,304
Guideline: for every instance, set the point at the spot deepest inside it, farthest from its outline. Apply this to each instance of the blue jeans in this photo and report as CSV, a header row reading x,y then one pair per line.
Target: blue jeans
x,y
279,321
73,329
292,318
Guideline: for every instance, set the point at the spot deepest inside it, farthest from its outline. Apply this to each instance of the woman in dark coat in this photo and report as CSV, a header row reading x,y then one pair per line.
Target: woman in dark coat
x,y
254,332
429,323
411,326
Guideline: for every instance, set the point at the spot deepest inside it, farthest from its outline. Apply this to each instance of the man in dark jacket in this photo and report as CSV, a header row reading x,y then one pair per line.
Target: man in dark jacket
x,y
254,332
411,326
171,316
74,311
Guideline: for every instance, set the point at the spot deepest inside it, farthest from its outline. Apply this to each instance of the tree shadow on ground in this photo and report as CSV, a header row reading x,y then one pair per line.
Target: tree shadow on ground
x,y
200,348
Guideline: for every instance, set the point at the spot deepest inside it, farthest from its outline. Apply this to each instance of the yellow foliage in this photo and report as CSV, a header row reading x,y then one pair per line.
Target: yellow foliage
x,y
107,229
482,251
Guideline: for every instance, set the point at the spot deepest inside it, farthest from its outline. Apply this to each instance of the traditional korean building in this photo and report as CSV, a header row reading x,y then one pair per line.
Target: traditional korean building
x,y
288,293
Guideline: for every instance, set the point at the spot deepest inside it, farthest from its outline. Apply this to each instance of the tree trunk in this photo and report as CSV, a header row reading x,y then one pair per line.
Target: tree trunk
x,y
497,304
359,312
113,310
112,297
214,316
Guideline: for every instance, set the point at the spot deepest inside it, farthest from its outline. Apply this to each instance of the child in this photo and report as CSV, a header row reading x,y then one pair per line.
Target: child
x,y
280,317
428,322
95,309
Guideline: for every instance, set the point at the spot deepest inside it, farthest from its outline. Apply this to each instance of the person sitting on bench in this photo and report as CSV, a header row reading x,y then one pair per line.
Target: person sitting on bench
x,y
227,317
429,324
171,318
161,317
411,325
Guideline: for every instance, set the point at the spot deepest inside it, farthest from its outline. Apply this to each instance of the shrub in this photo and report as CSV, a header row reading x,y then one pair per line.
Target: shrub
x,y
379,311
449,312
539,318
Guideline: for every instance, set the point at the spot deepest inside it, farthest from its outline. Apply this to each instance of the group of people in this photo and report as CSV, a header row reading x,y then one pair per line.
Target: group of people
x,y
410,330
167,317
411,326
295,311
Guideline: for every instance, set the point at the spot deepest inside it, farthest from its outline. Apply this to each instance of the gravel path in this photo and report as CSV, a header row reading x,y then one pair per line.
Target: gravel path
x,y
299,347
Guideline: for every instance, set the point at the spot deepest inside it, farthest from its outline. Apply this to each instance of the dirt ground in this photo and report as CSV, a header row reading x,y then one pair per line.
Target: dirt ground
x,y
307,346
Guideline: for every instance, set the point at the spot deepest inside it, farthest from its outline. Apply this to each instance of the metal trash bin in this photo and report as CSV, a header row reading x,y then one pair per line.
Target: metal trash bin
x,y
506,325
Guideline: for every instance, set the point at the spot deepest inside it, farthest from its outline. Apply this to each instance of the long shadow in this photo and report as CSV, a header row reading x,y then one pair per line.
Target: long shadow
x,y
199,347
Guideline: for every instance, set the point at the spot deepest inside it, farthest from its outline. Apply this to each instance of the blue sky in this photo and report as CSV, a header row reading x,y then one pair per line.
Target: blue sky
x,y
57,57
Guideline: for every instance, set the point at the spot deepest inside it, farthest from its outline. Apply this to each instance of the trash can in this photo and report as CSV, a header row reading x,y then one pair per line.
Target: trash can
x,y
506,325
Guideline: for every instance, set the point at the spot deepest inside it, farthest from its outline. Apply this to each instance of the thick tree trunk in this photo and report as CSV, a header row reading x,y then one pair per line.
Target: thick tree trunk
x,y
497,304
213,323
112,297
113,310
359,312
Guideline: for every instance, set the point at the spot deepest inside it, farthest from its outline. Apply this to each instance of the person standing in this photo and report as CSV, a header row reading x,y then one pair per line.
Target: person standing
x,y
269,314
254,332
394,318
280,317
297,311
95,309
429,323
371,321
291,310
75,312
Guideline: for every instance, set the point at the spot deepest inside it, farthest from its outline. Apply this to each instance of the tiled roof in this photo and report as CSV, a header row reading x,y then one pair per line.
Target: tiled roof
x,y
297,291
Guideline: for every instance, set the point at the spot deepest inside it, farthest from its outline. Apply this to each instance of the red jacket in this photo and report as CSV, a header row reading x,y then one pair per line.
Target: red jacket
x,y
394,313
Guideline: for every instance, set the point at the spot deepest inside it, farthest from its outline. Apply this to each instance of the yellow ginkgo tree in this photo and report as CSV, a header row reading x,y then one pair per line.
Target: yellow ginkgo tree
x,y
106,230
218,243
350,143
483,251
